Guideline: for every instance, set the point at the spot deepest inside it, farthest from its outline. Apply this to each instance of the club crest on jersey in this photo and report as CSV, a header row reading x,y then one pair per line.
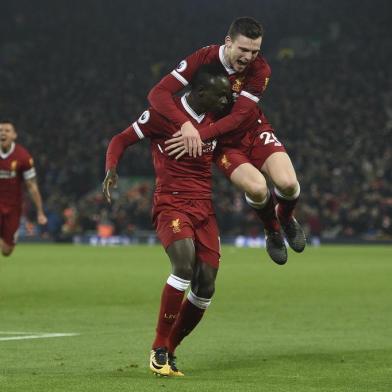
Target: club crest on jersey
x,y
143,119
176,225
14,165
182,66
225,162
237,85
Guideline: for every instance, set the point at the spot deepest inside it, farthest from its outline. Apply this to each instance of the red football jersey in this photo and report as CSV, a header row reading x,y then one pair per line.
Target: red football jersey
x,y
188,177
247,88
16,165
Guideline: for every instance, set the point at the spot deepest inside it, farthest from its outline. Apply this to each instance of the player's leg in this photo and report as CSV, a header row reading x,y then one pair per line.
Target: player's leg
x,y
202,287
192,309
279,168
182,258
236,166
9,224
175,231
6,249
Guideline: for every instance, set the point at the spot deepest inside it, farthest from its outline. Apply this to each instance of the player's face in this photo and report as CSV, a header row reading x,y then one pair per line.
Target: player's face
x,y
7,134
217,96
241,51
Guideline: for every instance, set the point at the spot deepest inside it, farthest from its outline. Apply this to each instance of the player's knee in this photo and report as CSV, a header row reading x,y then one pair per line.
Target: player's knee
x,y
183,271
288,186
206,289
256,191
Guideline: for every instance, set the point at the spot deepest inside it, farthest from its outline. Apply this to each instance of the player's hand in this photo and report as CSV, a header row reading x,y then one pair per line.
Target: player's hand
x,y
191,137
109,181
41,218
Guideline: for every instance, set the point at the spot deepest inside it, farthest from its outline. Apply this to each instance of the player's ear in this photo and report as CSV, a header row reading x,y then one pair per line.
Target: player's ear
x,y
228,41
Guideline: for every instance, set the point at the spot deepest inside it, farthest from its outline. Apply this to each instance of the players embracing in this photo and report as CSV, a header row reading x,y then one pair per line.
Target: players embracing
x,y
246,155
183,214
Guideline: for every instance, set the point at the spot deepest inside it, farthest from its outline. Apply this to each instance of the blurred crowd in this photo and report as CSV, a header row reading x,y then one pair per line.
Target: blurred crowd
x,y
72,75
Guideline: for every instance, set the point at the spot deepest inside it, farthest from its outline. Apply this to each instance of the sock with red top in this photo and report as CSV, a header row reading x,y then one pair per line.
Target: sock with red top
x,y
286,204
192,311
171,300
265,210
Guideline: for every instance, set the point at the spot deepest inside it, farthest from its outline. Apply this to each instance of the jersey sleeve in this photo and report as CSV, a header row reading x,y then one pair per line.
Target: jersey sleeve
x,y
27,166
147,125
161,95
255,85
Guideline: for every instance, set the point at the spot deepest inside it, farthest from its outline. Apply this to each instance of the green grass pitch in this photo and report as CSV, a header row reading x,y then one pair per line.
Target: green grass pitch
x,y
323,322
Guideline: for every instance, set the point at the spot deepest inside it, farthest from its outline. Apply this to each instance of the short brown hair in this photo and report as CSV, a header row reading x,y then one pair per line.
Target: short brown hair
x,y
247,26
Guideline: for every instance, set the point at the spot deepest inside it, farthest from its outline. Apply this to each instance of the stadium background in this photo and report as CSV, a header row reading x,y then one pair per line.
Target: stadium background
x,y
74,73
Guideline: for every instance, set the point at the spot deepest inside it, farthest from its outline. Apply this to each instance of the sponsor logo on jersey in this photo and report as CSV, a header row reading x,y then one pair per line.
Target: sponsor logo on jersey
x,y
7,174
182,66
176,225
143,119
210,146
225,162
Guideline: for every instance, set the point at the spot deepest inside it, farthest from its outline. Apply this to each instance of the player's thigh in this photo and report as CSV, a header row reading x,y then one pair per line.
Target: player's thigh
x,y
176,232
9,228
280,170
182,256
207,242
229,159
250,180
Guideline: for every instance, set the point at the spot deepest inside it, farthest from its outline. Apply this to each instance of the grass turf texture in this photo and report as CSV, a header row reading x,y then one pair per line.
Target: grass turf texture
x,y
323,322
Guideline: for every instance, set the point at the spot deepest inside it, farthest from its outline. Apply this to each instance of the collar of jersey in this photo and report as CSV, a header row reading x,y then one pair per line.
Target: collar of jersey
x,y
5,155
198,117
229,70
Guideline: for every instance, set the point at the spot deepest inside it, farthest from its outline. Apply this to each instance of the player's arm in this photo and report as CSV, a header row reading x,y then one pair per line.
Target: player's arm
x,y
244,105
118,144
161,99
29,176
32,187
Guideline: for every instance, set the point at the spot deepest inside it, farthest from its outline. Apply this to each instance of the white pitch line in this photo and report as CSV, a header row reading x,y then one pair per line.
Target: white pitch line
x,y
36,335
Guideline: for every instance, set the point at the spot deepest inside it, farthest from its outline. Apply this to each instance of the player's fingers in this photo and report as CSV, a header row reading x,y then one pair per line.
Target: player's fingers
x,y
188,145
177,150
199,146
194,147
105,189
175,145
174,140
180,154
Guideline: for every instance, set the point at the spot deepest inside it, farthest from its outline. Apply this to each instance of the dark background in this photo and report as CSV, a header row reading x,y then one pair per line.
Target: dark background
x,y
72,74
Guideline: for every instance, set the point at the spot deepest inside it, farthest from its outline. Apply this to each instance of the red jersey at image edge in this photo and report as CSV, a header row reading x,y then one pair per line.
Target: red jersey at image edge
x,y
16,166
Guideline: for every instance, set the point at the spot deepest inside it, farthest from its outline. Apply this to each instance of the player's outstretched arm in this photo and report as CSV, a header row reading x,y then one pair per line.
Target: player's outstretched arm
x,y
109,181
35,194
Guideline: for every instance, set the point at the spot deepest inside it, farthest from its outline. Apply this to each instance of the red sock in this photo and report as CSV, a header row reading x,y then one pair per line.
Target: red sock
x,y
286,206
266,213
171,300
188,318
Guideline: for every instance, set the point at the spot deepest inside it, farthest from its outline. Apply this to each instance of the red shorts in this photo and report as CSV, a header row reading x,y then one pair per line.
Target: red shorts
x,y
175,219
256,151
9,224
